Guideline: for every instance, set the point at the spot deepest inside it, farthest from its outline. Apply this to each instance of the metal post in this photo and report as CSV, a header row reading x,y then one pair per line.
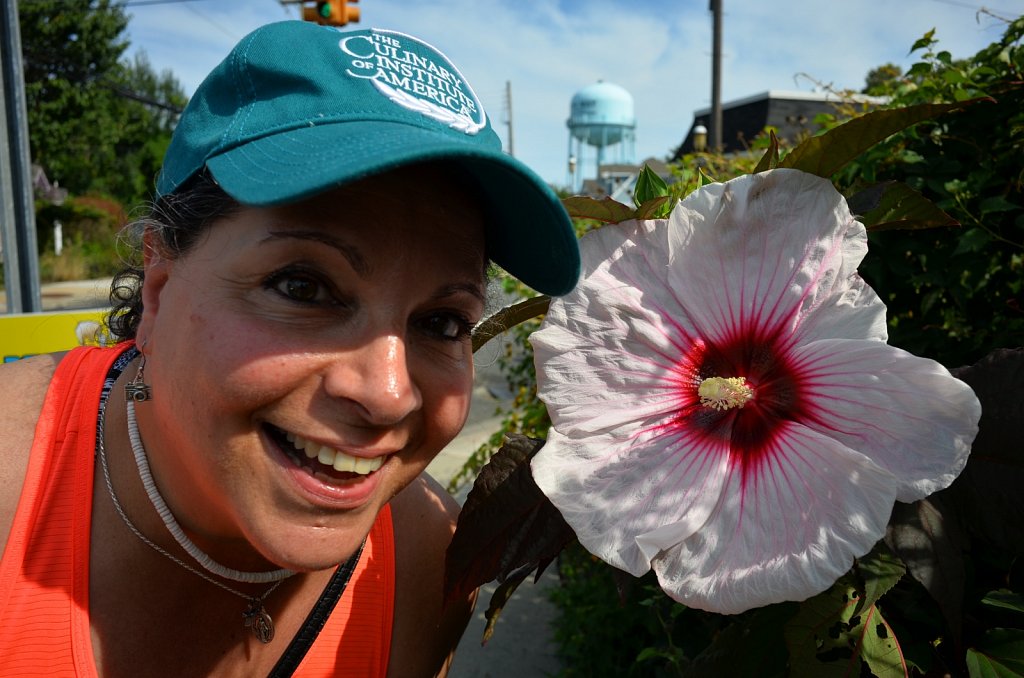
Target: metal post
x,y
716,77
508,102
17,208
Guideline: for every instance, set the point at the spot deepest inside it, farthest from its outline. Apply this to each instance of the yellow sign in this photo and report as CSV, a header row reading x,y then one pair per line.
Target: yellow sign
x,y
25,334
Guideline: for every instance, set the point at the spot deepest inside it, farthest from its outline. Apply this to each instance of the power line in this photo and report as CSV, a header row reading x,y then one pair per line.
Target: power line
x,y
142,99
976,8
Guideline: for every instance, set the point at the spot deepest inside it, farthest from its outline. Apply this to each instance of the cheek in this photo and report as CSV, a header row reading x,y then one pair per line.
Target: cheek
x,y
239,357
446,400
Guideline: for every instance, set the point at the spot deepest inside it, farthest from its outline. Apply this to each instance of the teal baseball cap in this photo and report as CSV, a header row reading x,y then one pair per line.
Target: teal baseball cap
x,y
297,108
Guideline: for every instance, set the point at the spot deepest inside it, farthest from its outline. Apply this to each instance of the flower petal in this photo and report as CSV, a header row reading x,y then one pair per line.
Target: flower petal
x,y
771,250
607,353
908,414
611,488
785,530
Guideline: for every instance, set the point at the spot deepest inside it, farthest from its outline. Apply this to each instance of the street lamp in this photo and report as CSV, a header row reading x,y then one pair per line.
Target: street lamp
x,y
700,138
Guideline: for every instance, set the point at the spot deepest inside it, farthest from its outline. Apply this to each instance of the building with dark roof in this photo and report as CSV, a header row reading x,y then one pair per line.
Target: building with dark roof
x,y
792,114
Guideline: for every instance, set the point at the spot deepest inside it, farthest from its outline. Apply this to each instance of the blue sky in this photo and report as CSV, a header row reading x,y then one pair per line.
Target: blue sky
x,y
658,50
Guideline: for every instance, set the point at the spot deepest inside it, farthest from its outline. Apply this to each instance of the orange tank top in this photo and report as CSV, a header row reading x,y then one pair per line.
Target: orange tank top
x,y
44,573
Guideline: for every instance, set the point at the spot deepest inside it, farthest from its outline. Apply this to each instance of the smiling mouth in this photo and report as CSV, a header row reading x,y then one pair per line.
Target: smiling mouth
x,y
321,461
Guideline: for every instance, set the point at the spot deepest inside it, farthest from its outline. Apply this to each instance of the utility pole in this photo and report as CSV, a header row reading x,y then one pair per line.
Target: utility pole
x,y
508,102
716,76
17,208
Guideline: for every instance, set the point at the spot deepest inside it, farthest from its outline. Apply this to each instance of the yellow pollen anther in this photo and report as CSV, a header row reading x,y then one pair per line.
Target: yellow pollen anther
x,y
724,393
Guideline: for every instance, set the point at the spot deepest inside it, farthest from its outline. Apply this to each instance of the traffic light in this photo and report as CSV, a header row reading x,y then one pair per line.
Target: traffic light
x,y
332,12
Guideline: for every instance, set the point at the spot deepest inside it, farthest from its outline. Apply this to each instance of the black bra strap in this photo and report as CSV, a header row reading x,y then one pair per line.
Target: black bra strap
x,y
318,616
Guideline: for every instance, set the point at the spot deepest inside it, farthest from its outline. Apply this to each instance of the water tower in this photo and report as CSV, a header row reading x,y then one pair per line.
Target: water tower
x,y
600,117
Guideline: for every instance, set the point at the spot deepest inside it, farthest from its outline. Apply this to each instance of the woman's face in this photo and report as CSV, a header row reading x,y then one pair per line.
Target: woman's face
x,y
337,328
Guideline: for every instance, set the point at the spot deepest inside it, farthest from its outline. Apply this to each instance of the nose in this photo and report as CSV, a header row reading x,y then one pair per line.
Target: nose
x,y
376,379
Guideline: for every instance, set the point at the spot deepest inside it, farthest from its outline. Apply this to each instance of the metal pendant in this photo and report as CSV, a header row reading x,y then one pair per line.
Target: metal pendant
x,y
259,622
138,391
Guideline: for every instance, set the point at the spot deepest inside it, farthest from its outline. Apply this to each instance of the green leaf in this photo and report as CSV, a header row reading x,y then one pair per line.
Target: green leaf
x,y
880,649
507,318
892,205
972,240
499,598
704,178
656,208
649,653
648,186
920,70
606,210
880,570
833,633
770,159
826,154
927,40
506,523
1004,599
1000,654
997,204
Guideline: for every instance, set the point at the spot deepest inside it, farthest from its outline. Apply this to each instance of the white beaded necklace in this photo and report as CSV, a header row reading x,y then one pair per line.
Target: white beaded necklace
x,y
208,563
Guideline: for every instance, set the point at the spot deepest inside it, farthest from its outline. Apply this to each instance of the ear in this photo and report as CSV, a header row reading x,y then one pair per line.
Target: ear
x,y
157,267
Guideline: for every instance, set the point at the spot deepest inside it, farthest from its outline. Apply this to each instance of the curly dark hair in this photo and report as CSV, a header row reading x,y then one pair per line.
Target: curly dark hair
x,y
177,220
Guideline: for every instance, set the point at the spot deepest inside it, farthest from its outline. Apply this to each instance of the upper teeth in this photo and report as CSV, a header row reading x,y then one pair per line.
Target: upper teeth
x,y
335,458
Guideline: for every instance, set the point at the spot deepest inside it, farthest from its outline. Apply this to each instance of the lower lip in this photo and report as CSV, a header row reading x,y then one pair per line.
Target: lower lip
x,y
348,494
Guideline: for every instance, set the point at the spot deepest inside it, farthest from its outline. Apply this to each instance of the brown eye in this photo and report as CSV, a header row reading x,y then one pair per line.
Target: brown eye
x,y
450,327
300,289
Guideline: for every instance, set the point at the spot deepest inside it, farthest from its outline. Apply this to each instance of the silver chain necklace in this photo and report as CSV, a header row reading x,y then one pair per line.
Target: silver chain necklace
x,y
255,618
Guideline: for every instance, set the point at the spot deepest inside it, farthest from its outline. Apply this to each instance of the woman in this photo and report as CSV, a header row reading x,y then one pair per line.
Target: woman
x,y
237,487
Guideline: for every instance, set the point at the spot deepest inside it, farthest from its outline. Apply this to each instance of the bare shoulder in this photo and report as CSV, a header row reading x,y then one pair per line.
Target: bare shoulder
x,y
23,385
426,630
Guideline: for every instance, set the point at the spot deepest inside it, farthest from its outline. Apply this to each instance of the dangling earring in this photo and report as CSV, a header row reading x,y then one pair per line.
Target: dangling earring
x,y
137,389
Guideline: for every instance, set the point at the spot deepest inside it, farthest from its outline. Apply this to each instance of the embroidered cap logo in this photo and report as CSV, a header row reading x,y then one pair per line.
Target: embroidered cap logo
x,y
402,69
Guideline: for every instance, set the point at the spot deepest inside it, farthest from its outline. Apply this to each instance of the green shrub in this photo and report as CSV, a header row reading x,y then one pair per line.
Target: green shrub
x,y
90,225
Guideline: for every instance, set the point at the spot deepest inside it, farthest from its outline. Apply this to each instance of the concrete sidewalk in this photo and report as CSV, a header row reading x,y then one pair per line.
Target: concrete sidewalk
x,y
70,296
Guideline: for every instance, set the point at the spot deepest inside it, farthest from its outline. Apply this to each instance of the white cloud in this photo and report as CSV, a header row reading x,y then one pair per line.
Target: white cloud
x,y
659,50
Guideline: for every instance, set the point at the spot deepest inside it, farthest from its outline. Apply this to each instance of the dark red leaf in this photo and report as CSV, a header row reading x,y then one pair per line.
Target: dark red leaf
x,y
988,490
507,526
928,537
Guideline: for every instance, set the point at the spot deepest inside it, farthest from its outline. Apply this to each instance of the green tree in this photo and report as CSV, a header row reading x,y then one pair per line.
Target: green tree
x,y
146,109
954,295
69,50
97,123
883,80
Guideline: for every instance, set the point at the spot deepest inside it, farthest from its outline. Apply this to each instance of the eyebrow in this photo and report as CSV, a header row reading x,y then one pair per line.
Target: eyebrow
x,y
359,263
456,288
355,259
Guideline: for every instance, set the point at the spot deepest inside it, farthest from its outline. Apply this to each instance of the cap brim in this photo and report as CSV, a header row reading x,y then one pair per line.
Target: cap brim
x,y
529,233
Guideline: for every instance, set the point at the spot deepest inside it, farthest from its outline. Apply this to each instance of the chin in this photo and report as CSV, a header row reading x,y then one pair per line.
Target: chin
x,y
314,548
